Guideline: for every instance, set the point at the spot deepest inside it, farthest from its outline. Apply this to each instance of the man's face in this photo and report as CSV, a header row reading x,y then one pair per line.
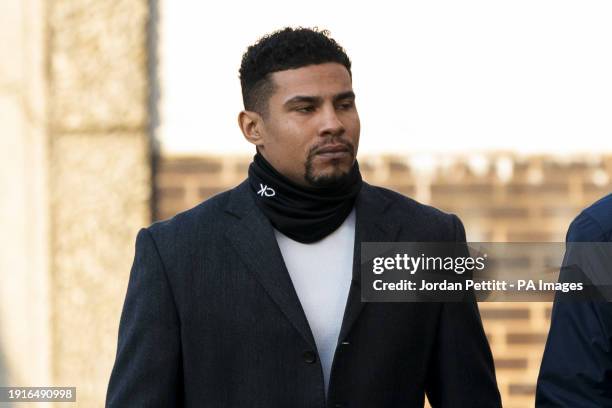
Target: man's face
x,y
310,133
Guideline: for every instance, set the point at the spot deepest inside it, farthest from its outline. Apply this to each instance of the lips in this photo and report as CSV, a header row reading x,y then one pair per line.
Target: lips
x,y
337,148
336,151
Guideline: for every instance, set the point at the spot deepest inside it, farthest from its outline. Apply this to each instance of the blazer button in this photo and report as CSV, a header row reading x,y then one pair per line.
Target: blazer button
x,y
309,357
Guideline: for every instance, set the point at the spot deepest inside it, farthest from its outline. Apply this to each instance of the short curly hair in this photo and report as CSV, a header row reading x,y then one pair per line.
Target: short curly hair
x,y
288,48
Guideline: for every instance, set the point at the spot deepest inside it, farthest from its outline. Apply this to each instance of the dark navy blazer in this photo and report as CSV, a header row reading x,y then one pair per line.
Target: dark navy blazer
x,y
211,319
576,368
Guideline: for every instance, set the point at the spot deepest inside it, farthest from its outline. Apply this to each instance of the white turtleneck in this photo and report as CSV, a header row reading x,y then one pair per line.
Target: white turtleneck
x,y
321,273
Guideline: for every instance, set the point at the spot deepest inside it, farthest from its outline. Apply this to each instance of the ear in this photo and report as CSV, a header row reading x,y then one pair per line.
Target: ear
x,y
251,126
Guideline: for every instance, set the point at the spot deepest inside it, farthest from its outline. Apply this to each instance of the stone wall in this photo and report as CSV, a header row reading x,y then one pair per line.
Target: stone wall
x,y
100,178
76,169
499,197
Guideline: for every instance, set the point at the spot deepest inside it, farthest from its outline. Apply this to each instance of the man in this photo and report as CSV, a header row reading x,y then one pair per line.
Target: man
x,y
576,368
252,298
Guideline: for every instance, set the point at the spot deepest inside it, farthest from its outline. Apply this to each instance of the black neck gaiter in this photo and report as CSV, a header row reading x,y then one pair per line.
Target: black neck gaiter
x,y
304,214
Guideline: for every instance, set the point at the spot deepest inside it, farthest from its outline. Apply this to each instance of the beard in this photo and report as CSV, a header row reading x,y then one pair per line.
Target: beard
x,y
334,178
326,180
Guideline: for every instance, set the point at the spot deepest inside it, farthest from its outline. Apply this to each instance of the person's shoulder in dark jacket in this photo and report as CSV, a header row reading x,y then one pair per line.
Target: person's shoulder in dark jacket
x,y
594,224
205,213
431,223
179,235
577,360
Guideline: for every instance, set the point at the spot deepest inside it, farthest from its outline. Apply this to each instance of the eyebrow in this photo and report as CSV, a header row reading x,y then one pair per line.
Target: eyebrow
x,y
317,99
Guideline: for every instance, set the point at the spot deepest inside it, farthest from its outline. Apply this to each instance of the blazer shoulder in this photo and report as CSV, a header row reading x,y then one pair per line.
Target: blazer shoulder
x,y
425,220
203,217
411,206
594,224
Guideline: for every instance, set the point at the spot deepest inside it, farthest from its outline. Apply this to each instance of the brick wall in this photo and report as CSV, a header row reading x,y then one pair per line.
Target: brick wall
x,y
500,197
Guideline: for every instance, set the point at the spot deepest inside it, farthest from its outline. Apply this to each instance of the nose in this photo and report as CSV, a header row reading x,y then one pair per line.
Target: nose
x,y
331,125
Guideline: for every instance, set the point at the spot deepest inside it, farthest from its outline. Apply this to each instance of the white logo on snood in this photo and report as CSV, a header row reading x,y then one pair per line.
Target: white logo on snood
x,y
266,191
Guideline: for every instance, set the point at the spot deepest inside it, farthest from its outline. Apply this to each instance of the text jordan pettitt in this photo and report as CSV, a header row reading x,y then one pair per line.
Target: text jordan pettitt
x,y
469,284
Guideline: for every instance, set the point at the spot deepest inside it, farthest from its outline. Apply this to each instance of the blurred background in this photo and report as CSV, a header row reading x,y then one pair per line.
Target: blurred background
x,y
115,114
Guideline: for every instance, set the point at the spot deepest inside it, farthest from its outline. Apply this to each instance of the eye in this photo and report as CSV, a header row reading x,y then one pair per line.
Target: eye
x,y
305,109
346,105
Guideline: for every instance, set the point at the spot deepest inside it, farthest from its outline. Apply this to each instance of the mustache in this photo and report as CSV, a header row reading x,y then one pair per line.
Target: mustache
x,y
350,147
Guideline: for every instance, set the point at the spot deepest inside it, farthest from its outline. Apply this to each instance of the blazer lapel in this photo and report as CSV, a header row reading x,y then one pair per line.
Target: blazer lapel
x,y
371,226
252,237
